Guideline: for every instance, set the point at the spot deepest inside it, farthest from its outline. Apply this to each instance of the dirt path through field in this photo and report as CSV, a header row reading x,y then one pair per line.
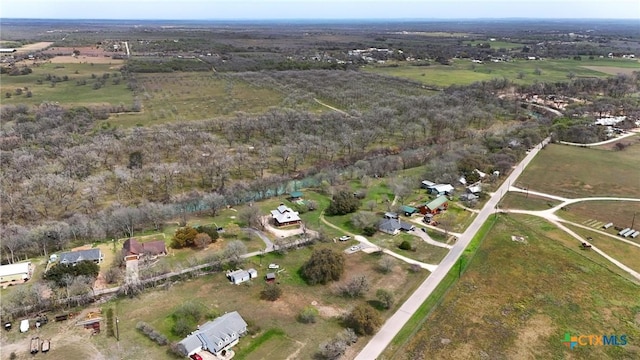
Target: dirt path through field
x,y
613,70
34,47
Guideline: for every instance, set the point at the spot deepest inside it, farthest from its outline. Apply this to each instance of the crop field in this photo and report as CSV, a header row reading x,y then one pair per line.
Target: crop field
x,y
168,97
573,172
463,72
77,90
513,302
275,324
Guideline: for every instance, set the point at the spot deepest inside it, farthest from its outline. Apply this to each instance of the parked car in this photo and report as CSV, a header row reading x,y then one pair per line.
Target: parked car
x,y
274,266
196,357
344,238
354,248
24,325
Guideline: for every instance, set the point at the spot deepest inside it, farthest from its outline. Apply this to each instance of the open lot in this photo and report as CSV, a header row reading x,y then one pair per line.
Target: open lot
x,y
514,200
463,71
561,170
34,47
597,213
77,90
621,251
196,96
513,301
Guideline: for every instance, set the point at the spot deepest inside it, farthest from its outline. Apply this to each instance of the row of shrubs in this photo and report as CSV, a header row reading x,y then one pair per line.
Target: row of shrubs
x,y
151,333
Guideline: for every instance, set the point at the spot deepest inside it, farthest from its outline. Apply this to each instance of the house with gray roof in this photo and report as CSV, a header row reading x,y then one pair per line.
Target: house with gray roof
x,y
394,226
284,216
74,257
216,337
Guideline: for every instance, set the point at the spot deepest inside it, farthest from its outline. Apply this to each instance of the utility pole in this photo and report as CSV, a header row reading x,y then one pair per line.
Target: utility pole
x,y
634,220
117,329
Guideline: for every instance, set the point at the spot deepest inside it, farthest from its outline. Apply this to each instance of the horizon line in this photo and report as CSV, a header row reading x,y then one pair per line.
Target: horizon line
x,y
325,19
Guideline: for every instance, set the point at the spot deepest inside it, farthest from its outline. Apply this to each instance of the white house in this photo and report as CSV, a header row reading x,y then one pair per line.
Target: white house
x,y
240,276
284,216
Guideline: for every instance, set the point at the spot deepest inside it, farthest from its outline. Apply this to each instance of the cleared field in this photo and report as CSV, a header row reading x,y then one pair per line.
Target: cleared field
x,y
177,96
68,59
513,302
77,89
597,213
573,172
34,47
612,70
463,72
495,44
621,251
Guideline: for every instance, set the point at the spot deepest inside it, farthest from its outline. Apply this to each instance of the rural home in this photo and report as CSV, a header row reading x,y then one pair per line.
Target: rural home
x,y
440,189
284,216
216,337
15,273
426,184
469,197
435,206
474,189
393,226
133,250
239,276
75,257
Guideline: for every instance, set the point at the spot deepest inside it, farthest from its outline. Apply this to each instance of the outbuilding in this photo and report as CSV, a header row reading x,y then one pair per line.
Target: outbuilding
x,y
15,273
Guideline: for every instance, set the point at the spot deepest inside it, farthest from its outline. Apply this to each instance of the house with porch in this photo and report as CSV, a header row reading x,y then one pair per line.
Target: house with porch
x,y
394,226
134,250
74,257
216,337
284,216
435,206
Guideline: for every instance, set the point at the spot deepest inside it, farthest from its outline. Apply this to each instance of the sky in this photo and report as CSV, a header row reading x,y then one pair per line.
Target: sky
x,y
315,9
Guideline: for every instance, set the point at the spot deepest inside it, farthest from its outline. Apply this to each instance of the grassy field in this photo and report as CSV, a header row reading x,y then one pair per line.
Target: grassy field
x,y
68,92
421,251
621,251
495,44
176,96
514,200
597,213
463,72
513,302
573,171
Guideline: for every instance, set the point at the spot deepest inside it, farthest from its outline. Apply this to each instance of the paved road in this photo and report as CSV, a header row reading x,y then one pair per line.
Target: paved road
x,y
395,323
630,133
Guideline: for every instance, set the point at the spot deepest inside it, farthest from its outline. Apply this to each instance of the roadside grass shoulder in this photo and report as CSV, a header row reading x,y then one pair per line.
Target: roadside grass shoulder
x,y
515,200
416,321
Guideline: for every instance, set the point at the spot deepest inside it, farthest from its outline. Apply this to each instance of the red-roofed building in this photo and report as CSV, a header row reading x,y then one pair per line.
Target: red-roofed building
x,y
133,250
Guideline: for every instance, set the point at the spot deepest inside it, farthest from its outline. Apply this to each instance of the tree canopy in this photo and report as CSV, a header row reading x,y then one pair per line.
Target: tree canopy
x,y
323,266
343,203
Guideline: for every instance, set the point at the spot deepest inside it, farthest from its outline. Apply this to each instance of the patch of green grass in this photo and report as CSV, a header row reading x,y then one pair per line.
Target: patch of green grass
x,y
561,170
522,201
464,72
68,93
597,213
171,97
270,335
619,250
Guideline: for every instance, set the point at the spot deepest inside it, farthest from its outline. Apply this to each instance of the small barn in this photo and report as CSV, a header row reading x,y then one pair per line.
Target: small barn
x,y
15,273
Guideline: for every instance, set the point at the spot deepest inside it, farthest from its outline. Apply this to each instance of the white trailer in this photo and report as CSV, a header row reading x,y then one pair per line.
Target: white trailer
x,y
24,325
623,231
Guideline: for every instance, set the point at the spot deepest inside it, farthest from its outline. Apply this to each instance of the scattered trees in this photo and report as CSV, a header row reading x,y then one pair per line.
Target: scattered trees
x,y
356,287
60,274
308,315
323,266
385,297
184,237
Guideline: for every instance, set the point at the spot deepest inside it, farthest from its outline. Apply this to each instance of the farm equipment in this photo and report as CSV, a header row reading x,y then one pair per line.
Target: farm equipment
x,y
63,317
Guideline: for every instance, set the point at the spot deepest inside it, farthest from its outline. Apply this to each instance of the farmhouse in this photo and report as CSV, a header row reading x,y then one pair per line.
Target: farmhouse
x,y
75,257
133,250
284,216
216,337
239,276
394,226
440,189
435,206
15,273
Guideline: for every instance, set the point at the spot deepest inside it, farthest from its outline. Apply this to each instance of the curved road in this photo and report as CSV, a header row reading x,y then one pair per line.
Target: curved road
x,y
394,324
630,133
